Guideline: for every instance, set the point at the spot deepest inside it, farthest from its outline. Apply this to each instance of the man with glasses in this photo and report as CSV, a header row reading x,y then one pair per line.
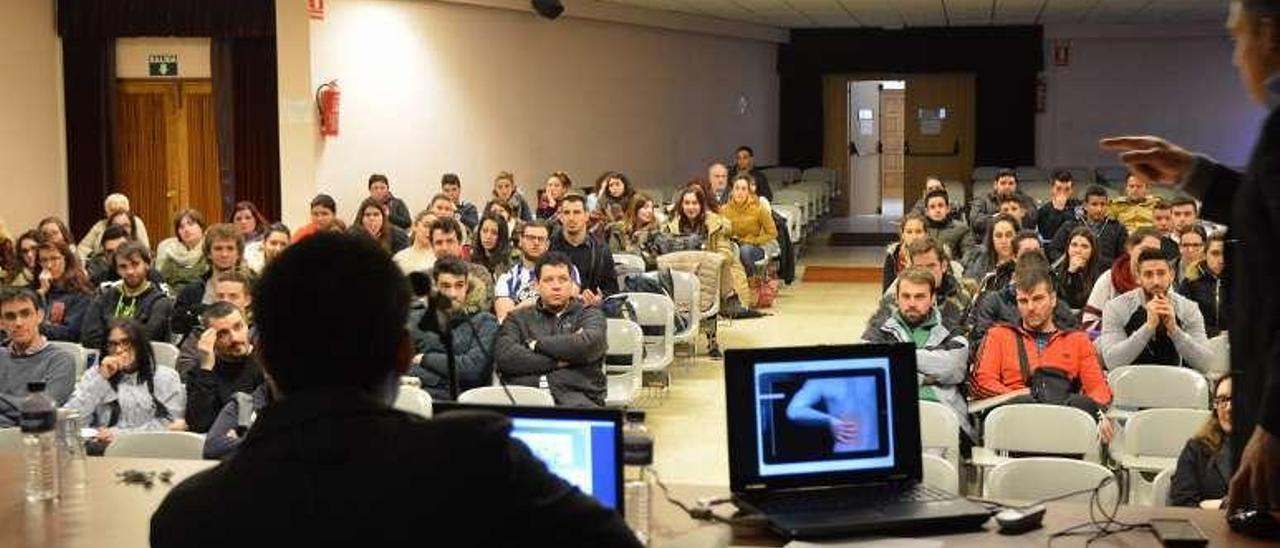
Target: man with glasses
x,y
516,288
1205,286
28,357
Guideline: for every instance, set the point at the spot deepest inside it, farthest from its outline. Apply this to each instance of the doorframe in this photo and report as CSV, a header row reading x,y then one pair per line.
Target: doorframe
x,y
836,138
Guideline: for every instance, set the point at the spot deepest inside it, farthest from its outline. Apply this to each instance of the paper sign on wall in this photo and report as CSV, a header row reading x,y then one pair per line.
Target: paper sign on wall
x,y
162,64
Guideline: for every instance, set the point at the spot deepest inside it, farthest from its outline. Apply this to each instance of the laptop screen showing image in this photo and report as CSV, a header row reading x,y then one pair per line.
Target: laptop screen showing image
x,y
823,416
582,446
820,416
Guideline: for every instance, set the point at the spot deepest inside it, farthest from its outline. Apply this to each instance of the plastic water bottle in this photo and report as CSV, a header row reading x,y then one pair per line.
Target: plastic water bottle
x,y
40,443
71,451
637,488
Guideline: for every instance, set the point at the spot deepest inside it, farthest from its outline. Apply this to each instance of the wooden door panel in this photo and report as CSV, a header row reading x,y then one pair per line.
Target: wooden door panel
x,y
944,149
892,161
203,188
141,154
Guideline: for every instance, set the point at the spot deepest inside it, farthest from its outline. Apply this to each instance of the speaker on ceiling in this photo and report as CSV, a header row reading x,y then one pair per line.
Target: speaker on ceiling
x,y
550,9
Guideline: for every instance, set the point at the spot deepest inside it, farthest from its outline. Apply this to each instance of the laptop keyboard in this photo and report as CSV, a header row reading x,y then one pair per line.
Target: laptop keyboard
x,y
851,498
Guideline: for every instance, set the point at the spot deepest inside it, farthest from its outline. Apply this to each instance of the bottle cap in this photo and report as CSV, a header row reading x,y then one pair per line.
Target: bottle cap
x,y
635,415
35,386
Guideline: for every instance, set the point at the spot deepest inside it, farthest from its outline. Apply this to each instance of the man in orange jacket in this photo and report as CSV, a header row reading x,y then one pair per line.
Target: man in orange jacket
x,y
999,370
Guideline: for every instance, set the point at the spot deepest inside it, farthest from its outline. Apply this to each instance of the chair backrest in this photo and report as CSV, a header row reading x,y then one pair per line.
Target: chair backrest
x,y
78,352
625,345
1160,487
777,176
706,266
157,445
1042,429
497,395
940,429
412,399
940,473
166,354
792,214
10,440
1112,175
1152,386
687,299
656,315
984,174
1031,174
1161,432
1036,478
627,263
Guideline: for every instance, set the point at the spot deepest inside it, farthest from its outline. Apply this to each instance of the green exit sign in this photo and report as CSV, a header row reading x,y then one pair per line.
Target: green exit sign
x,y
165,64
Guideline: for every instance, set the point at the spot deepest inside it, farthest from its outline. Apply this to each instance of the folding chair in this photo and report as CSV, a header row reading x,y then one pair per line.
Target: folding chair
x,y
1137,387
78,352
1036,478
940,473
157,445
499,395
414,400
166,354
622,361
1151,441
656,316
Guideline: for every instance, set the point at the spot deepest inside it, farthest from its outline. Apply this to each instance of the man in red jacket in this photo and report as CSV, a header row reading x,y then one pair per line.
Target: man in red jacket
x,y
999,369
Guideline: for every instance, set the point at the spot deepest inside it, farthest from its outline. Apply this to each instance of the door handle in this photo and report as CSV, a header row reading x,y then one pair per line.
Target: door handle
x,y
879,147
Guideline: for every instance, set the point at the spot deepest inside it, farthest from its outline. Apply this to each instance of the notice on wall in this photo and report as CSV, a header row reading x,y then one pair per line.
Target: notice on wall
x,y
163,64
931,120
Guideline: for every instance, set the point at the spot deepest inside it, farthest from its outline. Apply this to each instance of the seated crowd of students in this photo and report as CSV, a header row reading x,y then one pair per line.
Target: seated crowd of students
x,y
1055,294
524,285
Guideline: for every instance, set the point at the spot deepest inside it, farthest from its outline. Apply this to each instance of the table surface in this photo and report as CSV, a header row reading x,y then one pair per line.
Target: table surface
x,y
106,513
113,514
670,523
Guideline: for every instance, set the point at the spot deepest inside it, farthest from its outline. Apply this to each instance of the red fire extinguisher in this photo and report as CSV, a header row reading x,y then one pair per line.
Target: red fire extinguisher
x,y
328,96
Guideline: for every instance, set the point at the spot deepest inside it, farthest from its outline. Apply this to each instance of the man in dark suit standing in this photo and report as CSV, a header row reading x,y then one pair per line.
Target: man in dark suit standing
x,y
330,463
1249,203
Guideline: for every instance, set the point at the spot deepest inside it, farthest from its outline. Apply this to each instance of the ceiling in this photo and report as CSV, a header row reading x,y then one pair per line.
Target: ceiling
x,y
941,13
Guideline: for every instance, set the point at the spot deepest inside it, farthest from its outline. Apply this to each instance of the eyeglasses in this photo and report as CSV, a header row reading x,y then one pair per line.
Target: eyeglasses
x,y
1222,401
534,239
119,344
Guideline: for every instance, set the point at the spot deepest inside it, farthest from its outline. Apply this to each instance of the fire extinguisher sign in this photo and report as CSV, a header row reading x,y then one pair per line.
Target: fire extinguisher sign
x,y
164,64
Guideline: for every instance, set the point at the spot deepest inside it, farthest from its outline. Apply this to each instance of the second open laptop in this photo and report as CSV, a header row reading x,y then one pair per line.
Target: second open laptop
x,y
825,441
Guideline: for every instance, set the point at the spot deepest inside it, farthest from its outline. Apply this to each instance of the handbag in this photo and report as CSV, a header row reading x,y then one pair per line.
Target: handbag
x,y
665,243
1052,385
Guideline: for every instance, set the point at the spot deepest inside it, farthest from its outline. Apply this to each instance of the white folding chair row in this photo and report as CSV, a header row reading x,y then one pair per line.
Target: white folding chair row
x,y
1037,478
687,291
1151,441
797,199
165,354
656,315
1138,387
414,400
940,431
1031,174
940,473
1038,429
78,352
791,214
622,361
778,176
508,395
157,445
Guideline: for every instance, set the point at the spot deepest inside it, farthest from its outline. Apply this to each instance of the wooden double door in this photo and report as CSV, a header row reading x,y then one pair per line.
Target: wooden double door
x,y
166,151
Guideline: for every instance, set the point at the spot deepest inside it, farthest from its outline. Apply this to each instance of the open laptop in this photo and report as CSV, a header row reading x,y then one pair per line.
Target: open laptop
x,y
825,441
582,446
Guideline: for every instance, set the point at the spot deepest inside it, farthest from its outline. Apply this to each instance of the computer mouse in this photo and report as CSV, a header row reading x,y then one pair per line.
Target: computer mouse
x,y
1255,523
1016,521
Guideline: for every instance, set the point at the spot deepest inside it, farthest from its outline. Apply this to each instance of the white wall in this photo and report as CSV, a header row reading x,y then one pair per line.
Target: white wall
x,y
1173,81
433,87
32,144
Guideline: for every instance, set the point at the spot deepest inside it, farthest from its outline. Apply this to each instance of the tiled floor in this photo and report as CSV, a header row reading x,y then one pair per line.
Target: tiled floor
x,y
689,423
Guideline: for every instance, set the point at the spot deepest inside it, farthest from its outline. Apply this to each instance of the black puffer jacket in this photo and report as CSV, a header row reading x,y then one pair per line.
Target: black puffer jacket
x,y
1212,295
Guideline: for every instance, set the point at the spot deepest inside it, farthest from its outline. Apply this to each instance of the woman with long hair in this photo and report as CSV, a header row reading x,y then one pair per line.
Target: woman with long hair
x,y
615,196
996,251
751,224
24,268
418,256
895,256
371,220
1205,465
635,236
492,248
251,222
558,184
506,191
693,218
64,286
1075,271
53,229
126,391
180,258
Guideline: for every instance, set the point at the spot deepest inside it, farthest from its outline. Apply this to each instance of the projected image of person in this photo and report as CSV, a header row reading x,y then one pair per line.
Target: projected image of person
x,y
846,406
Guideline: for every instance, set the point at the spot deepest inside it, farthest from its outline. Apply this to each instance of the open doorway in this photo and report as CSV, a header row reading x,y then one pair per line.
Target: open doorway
x,y
876,146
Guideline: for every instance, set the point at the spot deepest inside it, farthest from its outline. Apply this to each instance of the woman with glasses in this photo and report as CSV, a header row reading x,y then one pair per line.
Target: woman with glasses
x,y
1192,240
24,268
126,391
1205,465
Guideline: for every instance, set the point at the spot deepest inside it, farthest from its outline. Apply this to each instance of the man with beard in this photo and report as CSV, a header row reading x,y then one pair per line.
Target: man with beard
x,y
1151,325
227,365
983,210
473,334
